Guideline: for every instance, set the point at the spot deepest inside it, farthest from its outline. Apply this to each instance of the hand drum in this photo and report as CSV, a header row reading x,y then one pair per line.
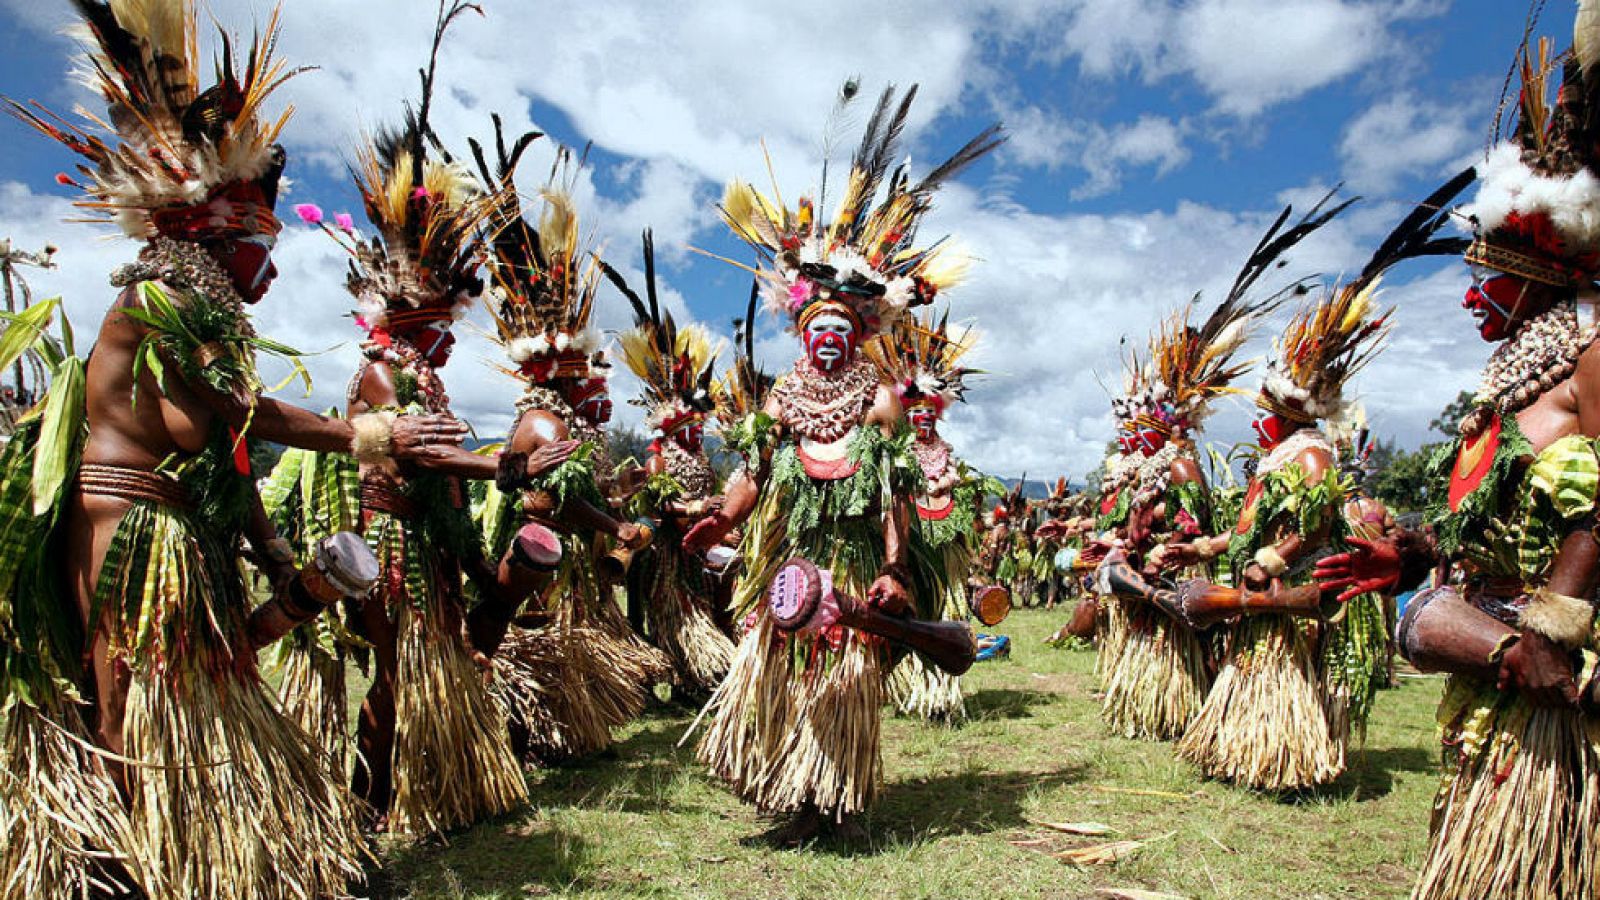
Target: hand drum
x,y
990,605
536,547
796,593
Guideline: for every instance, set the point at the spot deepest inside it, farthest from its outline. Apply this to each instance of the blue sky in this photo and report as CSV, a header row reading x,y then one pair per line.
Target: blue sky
x,y
1151,142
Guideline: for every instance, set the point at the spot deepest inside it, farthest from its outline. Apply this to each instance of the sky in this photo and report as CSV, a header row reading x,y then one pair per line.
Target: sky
x,y
1150,144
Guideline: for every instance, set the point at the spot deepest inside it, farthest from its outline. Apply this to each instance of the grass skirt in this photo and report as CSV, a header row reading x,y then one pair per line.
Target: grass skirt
x,y
314,695
1159,682
927,692
1354,665
788,734
452,760
1264,724
565,686
229,799
1518,814
1111,633
64,831
680,618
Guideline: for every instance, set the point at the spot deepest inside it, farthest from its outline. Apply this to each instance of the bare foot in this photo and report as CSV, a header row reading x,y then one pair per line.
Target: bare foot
x,y
849,831
800,829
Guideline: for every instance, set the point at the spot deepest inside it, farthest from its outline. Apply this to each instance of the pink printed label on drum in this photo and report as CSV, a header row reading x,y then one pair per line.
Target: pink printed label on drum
x,y
788,592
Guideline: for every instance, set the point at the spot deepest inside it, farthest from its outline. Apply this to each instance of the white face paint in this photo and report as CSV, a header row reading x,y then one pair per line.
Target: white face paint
x,y
829,339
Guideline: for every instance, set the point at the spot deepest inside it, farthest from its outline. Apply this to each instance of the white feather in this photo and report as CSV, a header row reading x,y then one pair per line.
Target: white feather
x,y
1572,202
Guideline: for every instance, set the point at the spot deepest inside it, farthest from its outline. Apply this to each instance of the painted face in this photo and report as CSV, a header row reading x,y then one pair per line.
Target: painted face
x,y
248,262
435,342
690,435
830,341
1150,441
925,419
1126,443
1498,301
1271,429
596,409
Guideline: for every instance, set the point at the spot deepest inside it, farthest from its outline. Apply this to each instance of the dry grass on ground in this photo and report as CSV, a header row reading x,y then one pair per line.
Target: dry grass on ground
x,y
647,822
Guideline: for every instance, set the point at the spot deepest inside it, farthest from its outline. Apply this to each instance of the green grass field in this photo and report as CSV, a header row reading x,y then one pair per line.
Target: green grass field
x,y
648,822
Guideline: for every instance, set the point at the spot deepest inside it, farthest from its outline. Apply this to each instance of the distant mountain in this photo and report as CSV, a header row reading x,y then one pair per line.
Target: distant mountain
x,y
1037,490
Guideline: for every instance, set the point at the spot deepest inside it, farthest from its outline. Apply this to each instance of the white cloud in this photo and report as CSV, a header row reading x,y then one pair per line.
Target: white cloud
x,y
684,93
1403,136
1247,55
1044,139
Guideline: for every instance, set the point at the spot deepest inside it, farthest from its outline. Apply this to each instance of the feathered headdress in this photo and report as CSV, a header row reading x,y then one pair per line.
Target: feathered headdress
x,y
422,264
742,389
181,162
863,262
1141,392
921,360
542,286
1195,366
1537,214
1333,336
675,365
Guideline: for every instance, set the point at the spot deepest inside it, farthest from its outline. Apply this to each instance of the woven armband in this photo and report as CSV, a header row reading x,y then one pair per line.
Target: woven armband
x,y
1563,619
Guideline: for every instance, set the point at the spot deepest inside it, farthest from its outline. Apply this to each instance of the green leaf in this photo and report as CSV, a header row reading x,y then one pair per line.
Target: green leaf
x,y
24,330
63,420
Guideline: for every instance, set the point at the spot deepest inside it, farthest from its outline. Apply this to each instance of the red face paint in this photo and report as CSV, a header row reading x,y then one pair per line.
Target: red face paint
x,y
1499,301
830,342
248,262
1151,441
1271,429
924,419
690,437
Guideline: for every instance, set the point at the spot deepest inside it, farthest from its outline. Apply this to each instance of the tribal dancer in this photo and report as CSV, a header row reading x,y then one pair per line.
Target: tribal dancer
x,y
126,496
1116,493
674,366
1518,813
1277,718
1162,674
795,727
434,753
571,678
921,360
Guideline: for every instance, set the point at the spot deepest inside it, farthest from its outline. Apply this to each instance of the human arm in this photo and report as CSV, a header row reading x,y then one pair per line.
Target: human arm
x,y
890,591
739,496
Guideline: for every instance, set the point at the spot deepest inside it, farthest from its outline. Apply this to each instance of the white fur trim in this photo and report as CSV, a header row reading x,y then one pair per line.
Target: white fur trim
x,y
1571,201
1566,620
373,438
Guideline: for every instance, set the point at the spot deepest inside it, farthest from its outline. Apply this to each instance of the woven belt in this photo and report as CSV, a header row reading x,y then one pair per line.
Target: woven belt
x,y
132,484
378,498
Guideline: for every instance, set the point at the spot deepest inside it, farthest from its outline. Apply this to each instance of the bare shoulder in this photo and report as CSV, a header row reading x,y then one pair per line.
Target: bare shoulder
x,y
1184,470
1314,461
1588,374
536,428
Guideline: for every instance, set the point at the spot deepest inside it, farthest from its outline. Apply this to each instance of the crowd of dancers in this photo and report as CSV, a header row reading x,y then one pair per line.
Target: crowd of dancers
x,y
148,571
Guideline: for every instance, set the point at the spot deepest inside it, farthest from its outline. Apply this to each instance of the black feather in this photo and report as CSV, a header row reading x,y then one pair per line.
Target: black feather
x,y
1415,235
